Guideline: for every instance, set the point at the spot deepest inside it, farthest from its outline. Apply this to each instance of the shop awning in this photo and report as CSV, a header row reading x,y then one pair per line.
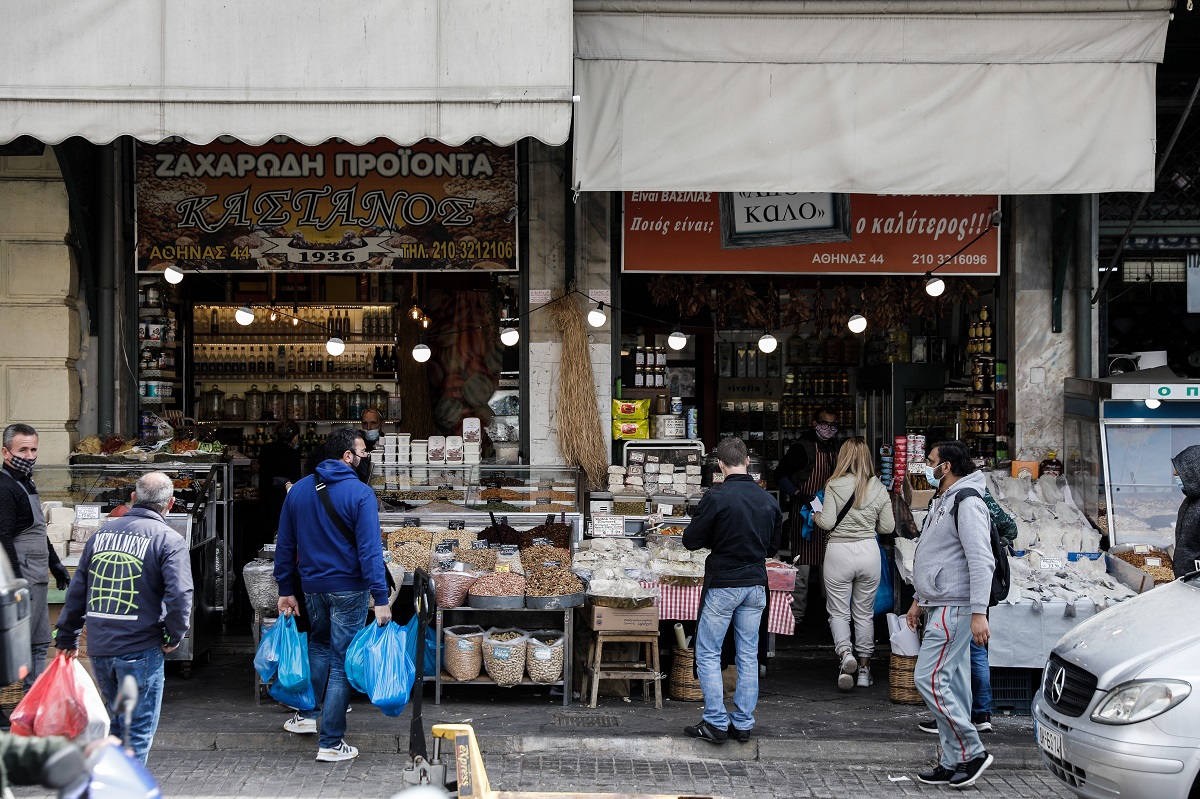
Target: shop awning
x,y
910,96
309,69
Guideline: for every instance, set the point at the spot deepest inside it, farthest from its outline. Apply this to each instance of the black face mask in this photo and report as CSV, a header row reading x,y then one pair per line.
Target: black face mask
x,y
363,469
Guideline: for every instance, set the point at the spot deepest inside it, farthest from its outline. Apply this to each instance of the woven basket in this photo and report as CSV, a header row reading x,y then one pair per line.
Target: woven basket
x,y
10,695
901,686
683,685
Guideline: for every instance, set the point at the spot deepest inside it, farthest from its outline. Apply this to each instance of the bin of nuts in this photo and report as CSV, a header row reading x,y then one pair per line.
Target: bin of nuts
x,y
483,560
542,555
450,587
544,656
504,655
412,556
462,651
499,590
407,535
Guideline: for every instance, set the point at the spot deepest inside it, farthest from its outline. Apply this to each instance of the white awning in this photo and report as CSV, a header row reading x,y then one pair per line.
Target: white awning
x,y
309,69
995,97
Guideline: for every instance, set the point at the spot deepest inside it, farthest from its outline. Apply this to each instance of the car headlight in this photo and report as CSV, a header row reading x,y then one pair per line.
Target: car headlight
x,y
1139,700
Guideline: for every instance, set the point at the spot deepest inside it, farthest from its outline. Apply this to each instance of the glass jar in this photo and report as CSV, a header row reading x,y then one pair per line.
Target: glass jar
x,y
254,405
318,407
296,402
337,404
379,400
235,409
273,403
357,400
212,404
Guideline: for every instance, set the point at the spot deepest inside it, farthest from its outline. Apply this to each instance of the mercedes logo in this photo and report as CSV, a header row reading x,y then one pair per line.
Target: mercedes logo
x,y
1058,684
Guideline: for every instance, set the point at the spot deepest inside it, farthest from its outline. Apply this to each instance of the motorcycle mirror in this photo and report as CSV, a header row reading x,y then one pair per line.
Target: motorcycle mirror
x,y
127,695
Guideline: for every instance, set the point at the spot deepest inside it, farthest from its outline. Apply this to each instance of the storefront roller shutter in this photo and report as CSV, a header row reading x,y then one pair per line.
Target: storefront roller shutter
x,y
1005,97
309,69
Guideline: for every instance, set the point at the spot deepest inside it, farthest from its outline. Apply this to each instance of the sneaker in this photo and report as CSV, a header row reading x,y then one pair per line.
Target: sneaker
x,y
982,723
849,664
845,681
342,751
938,775
965,774
706,732
741,736
929,725
300,725
864,677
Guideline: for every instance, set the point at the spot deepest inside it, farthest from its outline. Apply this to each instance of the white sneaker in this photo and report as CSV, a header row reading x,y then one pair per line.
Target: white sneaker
x,y
342,751
849,664
301,725
864,677
845,681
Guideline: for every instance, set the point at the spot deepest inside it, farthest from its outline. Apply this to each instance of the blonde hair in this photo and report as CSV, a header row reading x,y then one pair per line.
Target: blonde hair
x,y
854,458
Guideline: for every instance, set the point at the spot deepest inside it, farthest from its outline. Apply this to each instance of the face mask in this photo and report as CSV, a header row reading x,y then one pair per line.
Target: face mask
x,y
931,476
825,431
363,469
22,465
371,435
1179,482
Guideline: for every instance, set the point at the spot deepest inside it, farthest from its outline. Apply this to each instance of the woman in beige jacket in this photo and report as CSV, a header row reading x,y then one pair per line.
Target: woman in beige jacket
x,y
852,557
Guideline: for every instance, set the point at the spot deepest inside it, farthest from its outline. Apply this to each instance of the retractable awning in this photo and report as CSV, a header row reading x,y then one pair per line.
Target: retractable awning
x,y
309,69
916,97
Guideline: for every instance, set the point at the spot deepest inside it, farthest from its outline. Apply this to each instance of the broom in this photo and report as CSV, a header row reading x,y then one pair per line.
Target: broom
x,y
581,436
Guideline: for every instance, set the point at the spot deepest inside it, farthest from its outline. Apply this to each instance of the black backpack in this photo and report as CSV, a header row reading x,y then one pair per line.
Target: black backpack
x,y
1001,577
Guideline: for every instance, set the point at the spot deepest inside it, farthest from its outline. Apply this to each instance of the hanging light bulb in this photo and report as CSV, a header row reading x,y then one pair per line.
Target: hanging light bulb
x,y
934,286
335,346
295,321
274,315
425,321
1152,404
244,315
596,316
510,336
173,274
677,340
414,313
767,343
421,353
857,323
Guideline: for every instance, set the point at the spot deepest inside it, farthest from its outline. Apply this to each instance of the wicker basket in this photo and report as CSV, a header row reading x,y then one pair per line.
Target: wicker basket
x,y
10,695
901,686
683,685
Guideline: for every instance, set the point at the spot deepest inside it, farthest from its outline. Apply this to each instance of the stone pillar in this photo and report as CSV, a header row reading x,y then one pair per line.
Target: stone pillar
x,y
548,219
39,304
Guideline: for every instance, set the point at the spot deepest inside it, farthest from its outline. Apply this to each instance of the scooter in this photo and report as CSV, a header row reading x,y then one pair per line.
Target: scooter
x,y
113,773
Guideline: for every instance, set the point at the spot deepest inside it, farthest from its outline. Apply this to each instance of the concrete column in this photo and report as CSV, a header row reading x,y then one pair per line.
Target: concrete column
x,y
40,338
548,220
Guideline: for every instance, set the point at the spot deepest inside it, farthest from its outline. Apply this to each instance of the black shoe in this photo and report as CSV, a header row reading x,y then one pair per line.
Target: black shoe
x,y
965,774
929,725
938,775
741,736
982,723
706,732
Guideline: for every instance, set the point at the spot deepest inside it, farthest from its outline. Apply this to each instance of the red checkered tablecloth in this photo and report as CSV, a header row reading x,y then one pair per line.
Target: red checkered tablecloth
x,y
682,603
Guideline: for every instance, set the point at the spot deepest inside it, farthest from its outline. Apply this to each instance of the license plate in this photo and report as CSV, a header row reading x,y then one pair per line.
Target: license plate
x,y
1050,740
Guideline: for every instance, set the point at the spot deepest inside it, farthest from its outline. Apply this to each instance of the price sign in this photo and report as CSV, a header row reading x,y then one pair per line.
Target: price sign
x,y
481,544
552,564
542,542
1052,563
693,458
1141,549
637,457
503,567
87,512
1153,561
545,486
652,459
410,521
509,550
1072,557
444,548
605,525
654,520
665,510
446,487
451,542
457,524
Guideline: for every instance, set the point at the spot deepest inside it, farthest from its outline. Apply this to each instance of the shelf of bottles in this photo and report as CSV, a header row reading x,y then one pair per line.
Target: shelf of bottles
x,y
980,422
819,374
158,377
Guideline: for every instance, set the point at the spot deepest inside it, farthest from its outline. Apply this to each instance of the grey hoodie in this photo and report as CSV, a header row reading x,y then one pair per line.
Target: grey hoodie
x,y
953,566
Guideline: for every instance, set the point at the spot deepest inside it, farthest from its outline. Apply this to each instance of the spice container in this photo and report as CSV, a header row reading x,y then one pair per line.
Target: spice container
x,y
338,406
274,404
254,404
295,402
379,400
235,409
212,404
318,403
629,504
358,400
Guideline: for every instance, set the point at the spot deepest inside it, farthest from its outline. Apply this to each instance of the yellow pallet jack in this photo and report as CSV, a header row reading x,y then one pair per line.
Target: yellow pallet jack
x,y
468,778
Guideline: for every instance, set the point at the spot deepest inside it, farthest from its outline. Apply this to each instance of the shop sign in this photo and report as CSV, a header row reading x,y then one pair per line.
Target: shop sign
x,y
335,207
749,388
1142,391
786,233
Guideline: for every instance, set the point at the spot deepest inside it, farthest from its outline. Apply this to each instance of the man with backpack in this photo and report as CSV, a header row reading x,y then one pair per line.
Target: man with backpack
x,y
952,576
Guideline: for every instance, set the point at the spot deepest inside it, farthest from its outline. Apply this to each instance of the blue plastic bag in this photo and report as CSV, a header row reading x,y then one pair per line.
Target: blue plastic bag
x,y
356,656
410,630
885,599
266,659
389,670
293,672
302,698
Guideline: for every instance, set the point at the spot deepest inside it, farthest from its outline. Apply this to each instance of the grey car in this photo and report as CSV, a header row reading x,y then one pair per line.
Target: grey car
x,y
1113,716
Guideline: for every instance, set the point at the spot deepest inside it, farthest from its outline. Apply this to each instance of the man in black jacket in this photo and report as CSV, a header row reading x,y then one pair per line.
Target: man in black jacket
x,y
741,524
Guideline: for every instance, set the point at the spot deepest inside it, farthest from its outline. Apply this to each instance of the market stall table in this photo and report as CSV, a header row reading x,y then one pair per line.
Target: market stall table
x,y
682,603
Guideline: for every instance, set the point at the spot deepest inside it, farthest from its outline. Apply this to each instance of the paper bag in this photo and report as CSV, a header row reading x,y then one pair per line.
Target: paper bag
x,y
904,640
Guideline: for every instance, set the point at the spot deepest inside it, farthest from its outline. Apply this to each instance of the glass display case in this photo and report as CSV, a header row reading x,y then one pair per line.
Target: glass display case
x,y
482,488
201,515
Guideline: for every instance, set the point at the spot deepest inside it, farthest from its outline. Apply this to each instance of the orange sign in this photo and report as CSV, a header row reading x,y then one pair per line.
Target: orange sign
x,y
875,235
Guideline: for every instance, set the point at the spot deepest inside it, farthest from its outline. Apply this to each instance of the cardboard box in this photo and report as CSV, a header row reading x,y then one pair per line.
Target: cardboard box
x,y
1025,466
640,620
917,498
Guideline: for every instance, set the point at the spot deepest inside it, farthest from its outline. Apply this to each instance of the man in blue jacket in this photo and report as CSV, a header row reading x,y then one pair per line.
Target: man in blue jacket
x,y
341,573
133,587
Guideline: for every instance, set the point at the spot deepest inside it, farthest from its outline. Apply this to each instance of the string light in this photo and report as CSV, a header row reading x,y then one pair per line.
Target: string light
x,y
596,317
767,343
274,315
421,353
1153,404
857,323
244,315
173,274
510,336
677,340
425,321
934,286
335,346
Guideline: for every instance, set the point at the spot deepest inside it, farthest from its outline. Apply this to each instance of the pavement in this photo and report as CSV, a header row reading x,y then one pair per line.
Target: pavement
x,y
802,720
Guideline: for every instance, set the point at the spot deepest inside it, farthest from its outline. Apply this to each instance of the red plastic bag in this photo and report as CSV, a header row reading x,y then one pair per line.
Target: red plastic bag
x,y
55,705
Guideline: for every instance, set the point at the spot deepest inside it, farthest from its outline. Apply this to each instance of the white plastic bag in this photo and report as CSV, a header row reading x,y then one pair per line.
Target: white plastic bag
x,y
97,713
904,640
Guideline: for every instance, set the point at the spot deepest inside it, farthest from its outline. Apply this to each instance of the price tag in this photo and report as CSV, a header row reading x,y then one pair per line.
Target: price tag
x,y
542,653
502,652
502,520
503,567
452,542
1153,561
1073,557
86,512
1052,563
552,564
654,520
509,550
444,548
410,521
480,544
542,542
718,477
545,486
446,487
606,525
653,459
464,645
664,509
693,458
1141,549
637,457
457,524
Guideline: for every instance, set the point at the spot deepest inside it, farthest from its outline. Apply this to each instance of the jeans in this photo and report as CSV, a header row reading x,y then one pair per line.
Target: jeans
x,y
744,607
981,683
334,619
943,676
146,667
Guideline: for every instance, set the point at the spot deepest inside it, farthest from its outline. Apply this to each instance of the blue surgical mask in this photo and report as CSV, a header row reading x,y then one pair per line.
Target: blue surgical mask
x,y
931,476
371,435
1179,482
